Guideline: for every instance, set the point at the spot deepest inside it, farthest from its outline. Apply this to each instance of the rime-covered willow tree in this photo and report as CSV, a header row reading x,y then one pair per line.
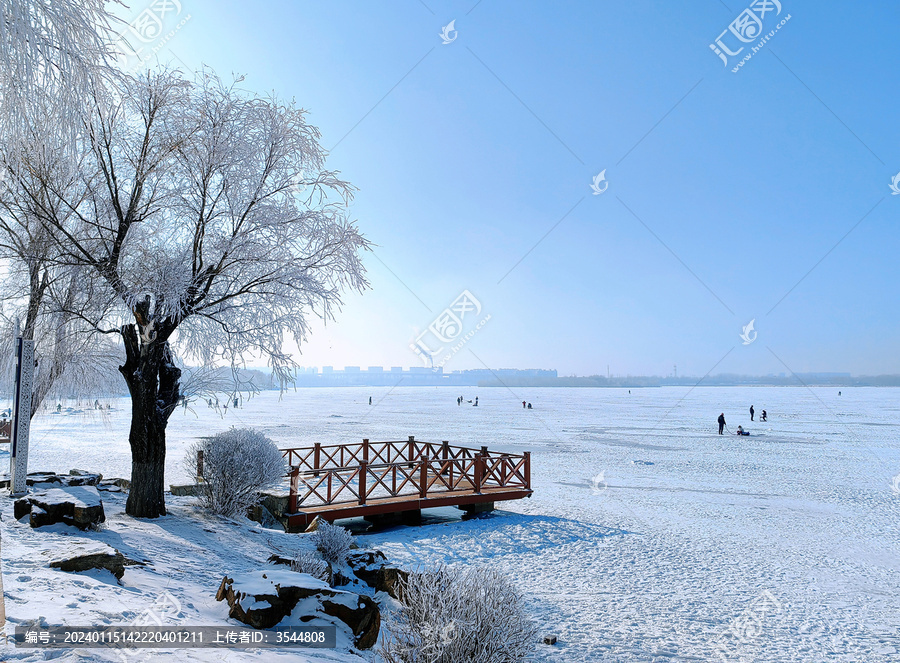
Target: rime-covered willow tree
x,y
40,298
209,216
54,50
53,55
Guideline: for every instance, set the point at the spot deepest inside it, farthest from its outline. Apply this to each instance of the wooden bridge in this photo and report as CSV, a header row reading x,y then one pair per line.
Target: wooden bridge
x,y
371,479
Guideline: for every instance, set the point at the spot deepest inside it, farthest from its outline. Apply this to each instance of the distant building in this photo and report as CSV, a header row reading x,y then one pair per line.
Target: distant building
x,y
416,376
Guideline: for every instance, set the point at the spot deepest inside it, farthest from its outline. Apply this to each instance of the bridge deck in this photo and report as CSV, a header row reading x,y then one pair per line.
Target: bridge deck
x,y
383,505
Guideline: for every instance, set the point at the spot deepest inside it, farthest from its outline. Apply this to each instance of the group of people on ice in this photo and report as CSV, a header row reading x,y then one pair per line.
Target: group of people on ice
x,y
763,416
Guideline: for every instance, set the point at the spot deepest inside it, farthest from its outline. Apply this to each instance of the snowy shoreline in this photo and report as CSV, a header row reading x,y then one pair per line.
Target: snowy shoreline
x,y
647,537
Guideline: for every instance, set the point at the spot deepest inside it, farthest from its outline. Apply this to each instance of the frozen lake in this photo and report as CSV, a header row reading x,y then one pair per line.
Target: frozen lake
x,y
648,534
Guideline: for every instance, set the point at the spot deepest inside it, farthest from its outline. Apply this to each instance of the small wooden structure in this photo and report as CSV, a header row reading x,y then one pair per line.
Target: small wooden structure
x,y
5,431
369,479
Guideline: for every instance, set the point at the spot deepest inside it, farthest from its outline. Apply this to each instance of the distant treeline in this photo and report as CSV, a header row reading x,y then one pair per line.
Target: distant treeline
x,y
590,381
723,380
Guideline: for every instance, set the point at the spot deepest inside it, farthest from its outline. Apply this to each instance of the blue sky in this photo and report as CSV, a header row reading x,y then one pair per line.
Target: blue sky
x,y
762,194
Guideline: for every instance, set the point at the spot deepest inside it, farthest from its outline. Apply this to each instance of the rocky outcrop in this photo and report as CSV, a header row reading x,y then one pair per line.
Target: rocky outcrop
x,y
114,485
52,479
371,566
271,508
264,517
390,579
99,556
79,506
185,490
278,559
366,564
262,599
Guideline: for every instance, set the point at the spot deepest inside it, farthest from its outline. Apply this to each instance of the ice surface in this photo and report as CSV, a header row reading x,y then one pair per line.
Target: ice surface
x,y
624,561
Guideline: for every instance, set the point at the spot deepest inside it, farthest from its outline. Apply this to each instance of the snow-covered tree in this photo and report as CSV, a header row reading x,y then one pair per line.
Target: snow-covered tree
x,y
54,51
333,541
237,465
207,213
39,297
459,615
54,54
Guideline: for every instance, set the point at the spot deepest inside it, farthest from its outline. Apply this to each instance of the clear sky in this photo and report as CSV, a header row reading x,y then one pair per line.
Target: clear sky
x,y
758,195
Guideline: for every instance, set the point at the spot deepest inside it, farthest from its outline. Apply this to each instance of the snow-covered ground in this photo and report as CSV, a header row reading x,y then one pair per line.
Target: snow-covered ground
x,y
647,537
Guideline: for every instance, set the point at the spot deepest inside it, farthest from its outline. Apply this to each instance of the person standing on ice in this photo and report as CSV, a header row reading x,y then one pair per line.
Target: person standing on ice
x,y
752,411
523,405
721,423
476,402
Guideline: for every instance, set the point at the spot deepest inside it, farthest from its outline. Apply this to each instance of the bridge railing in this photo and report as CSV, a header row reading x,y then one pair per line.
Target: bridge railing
x,y
359,472
328,456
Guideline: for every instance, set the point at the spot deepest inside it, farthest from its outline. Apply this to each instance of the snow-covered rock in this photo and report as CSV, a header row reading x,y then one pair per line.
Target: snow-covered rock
x,y
96,556
389,579
366,564
264,598
44,479
114,485
73,505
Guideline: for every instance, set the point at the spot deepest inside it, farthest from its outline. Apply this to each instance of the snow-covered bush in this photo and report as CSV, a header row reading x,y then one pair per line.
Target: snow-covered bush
x,y
307,562
452,615
237,464
333,541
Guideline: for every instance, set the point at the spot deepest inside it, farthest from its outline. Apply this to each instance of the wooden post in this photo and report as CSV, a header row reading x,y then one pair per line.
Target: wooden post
x,y
411,450
423,477
363,470
365,450
528,470
292,500
479,472
199,465
317,454
445,456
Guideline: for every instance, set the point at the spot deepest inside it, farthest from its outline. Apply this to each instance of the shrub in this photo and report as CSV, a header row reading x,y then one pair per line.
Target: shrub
x,y
333,541
307,562
237,464
472,615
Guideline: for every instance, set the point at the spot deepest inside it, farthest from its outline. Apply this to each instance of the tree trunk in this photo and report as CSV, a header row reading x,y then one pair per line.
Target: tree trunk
x,y
152,380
